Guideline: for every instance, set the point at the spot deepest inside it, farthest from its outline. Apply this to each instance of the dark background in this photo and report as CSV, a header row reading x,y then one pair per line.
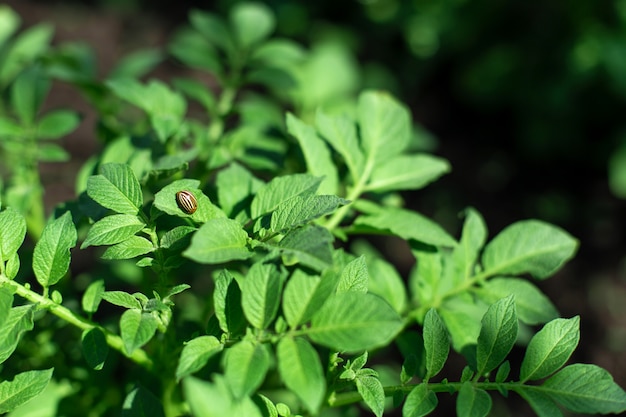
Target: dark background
x,y
525,99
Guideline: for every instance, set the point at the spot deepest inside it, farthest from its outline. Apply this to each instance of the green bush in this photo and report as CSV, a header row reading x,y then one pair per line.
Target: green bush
x,y
254,292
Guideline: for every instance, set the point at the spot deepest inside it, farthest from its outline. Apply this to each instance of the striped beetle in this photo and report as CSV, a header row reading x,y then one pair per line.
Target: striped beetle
x,y
187,202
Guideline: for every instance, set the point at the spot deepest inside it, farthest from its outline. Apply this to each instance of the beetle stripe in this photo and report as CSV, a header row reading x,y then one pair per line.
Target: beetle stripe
x,y
187,202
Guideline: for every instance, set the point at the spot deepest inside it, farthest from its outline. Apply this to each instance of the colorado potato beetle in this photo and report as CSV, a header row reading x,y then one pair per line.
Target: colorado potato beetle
x,y
187,202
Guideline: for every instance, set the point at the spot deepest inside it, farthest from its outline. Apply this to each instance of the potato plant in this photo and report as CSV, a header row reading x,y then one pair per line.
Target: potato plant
x,y
237,277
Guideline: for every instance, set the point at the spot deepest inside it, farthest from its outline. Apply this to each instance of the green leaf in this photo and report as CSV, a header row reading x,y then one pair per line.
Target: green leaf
x,y
550,348
195,355
136,329
52,153
24,387
408,225
116,188
301,210
51,257
165,200
532,306
497,334
541,404
473,238
113,229
420,402
235,185
340,133
57,124
354,321
198,91
372,392
251,23
301,370
462,317
407,172
26,47
12,266
227,303
27,94
282,189
136,64
9,128
436,343
309,245
95,347
472,402
19,320
9,23
529,246
385,125
216,399
93,296
142,403
304,294
261,291
165,107
503,372
584,388
6,294
12,232
194,51
130,248
386,282
177,238
354,276
122,299
318,159
245,366
218,241
212,28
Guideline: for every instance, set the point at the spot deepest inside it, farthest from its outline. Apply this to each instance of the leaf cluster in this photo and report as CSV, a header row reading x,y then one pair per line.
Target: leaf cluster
x,y
267,300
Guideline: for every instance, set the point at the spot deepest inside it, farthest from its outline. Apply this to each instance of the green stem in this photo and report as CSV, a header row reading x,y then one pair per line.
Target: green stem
x,y
138,356
353,397
353,195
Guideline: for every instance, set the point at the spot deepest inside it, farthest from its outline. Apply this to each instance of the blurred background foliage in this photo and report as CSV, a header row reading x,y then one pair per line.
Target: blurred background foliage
x,y
526,100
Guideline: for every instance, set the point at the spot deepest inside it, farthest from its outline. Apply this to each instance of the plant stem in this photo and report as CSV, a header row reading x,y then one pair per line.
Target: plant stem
x,y
353,195
138,356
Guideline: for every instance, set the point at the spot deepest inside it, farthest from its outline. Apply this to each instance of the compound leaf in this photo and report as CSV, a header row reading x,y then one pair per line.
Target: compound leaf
x,y
354,321
281,189
529,246
318,159
309,245
261,292
420,402
301,370
136,329
385,125
407,172
22,388
113,229
217,241
51,256
12,232
95,348
195,355
245,366
550,348
472,402
497,334
116,188
584,388
436,343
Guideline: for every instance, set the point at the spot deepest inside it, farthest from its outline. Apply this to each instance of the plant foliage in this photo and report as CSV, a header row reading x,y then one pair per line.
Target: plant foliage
x,y
266,300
